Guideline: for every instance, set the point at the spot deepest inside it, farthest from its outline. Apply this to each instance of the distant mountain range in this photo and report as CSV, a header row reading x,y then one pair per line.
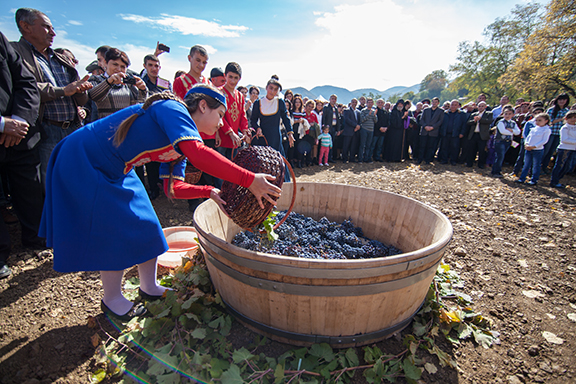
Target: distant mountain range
x,y
344,95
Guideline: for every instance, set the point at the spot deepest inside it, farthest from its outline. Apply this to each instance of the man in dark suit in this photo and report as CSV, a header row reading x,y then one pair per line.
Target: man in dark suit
x,y
451,131
478,135
330,117
431,121
61,89
351,128
19,156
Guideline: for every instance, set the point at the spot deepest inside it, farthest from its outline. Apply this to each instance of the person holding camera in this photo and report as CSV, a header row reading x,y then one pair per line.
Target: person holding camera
x,y
115,90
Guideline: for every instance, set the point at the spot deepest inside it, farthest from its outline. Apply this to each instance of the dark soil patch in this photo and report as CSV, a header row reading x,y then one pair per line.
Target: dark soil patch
x,y
508,240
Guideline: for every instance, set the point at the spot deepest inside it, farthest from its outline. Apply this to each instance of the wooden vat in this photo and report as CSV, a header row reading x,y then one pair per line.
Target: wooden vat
x,y
340,302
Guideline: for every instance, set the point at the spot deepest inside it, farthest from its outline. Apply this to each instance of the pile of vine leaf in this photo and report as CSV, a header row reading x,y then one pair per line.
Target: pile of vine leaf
x,y
185,337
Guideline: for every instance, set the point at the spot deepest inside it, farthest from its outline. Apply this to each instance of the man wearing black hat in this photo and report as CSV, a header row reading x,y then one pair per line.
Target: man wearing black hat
x,y
19,156
217,77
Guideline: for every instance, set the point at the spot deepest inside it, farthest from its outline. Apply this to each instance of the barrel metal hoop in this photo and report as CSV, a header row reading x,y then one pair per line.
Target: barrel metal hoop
x,y
325,273
320,290
332,340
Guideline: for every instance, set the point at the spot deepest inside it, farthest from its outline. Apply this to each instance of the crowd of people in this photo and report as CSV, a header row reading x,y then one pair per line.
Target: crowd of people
x,y
450,133
46,99
78,190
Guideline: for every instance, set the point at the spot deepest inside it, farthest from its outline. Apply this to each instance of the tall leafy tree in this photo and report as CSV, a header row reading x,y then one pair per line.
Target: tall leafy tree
x,y
547,65
434,83
479,66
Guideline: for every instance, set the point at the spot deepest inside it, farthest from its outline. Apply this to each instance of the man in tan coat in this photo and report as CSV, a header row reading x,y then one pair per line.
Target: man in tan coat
x,y
61,90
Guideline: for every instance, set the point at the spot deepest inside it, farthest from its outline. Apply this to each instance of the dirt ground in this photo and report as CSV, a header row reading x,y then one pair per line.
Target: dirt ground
x,y
514,245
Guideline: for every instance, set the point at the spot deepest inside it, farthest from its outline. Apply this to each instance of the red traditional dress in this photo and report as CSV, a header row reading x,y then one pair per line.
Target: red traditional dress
x,y
235,118
182,85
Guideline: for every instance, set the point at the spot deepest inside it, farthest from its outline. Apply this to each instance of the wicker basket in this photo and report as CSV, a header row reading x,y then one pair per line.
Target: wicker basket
x,y
192,174
241,204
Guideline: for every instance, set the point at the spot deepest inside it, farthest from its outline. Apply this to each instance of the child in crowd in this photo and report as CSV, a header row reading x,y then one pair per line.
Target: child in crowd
x,y
505,130
534,146
566,156
325,141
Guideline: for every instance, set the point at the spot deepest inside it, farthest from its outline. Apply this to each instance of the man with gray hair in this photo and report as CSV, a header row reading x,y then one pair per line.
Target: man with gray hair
x,y
430,122
368,119
451,131
61,89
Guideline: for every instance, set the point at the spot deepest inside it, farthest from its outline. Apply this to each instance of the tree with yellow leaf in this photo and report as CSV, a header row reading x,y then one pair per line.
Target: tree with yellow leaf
x,y
480,65
547,64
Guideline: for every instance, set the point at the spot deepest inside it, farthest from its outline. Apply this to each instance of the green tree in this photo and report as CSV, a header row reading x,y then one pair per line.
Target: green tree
x,y
434,83
409,96
394,98
547,65
372,95
479,66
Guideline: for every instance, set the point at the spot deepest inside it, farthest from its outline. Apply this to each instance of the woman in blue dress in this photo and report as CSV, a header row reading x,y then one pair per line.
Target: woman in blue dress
x,y
97,215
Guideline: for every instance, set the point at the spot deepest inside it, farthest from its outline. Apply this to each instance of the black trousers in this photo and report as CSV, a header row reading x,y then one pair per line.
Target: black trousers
x,y
346,148
153,174
23,174
428,146
476,146
449,149
355,146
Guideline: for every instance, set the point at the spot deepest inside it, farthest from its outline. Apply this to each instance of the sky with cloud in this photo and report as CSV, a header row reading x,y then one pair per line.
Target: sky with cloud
x,y
355,44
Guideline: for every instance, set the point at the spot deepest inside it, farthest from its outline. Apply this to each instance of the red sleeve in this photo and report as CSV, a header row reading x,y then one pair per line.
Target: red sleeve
x,y
179,89
210,161
184,190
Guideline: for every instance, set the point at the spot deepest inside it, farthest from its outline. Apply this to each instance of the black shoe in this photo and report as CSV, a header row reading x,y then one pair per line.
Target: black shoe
x,y
154,194
137,310
5,272
148,297
560,186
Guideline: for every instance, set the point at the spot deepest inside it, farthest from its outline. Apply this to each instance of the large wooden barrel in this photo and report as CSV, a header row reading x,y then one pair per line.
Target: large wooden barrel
x,y
340,302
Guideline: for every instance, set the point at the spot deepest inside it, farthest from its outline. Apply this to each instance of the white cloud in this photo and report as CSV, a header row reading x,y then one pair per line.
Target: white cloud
x,y
74,22
188,25
376,44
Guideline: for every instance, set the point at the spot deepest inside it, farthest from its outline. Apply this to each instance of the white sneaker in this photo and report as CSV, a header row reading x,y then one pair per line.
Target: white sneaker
x,y
320,164
326,164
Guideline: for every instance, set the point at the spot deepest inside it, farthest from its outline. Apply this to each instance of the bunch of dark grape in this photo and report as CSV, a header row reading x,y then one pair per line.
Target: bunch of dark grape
x,y
301,236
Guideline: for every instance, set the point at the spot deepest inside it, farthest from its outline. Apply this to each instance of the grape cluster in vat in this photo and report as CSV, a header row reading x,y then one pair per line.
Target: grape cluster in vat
x,y
301,236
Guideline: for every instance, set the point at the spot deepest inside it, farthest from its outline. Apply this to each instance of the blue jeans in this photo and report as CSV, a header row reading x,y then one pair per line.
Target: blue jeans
x,y
532,159
500,148
365,145
377,144
565,162
52,135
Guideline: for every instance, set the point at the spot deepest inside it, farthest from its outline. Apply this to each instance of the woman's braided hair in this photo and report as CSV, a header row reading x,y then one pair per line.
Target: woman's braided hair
x,y
191,103
124,127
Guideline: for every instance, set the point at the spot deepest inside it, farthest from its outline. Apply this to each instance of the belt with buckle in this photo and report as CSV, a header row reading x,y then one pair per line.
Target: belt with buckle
x,y
61,124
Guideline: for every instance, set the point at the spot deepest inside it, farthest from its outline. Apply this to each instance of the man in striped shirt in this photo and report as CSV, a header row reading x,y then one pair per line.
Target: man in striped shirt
x,y
61,89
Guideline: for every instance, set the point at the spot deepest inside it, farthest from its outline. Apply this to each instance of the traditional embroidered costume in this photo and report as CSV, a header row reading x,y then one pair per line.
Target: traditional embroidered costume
x,y
182,85
235,118
266,115
97,215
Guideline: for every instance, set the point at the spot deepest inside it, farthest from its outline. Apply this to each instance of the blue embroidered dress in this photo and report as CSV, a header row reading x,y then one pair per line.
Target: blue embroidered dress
x,y
97,215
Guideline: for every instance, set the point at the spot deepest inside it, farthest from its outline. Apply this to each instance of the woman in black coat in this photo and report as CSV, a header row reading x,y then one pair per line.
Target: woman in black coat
x,y
395,140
